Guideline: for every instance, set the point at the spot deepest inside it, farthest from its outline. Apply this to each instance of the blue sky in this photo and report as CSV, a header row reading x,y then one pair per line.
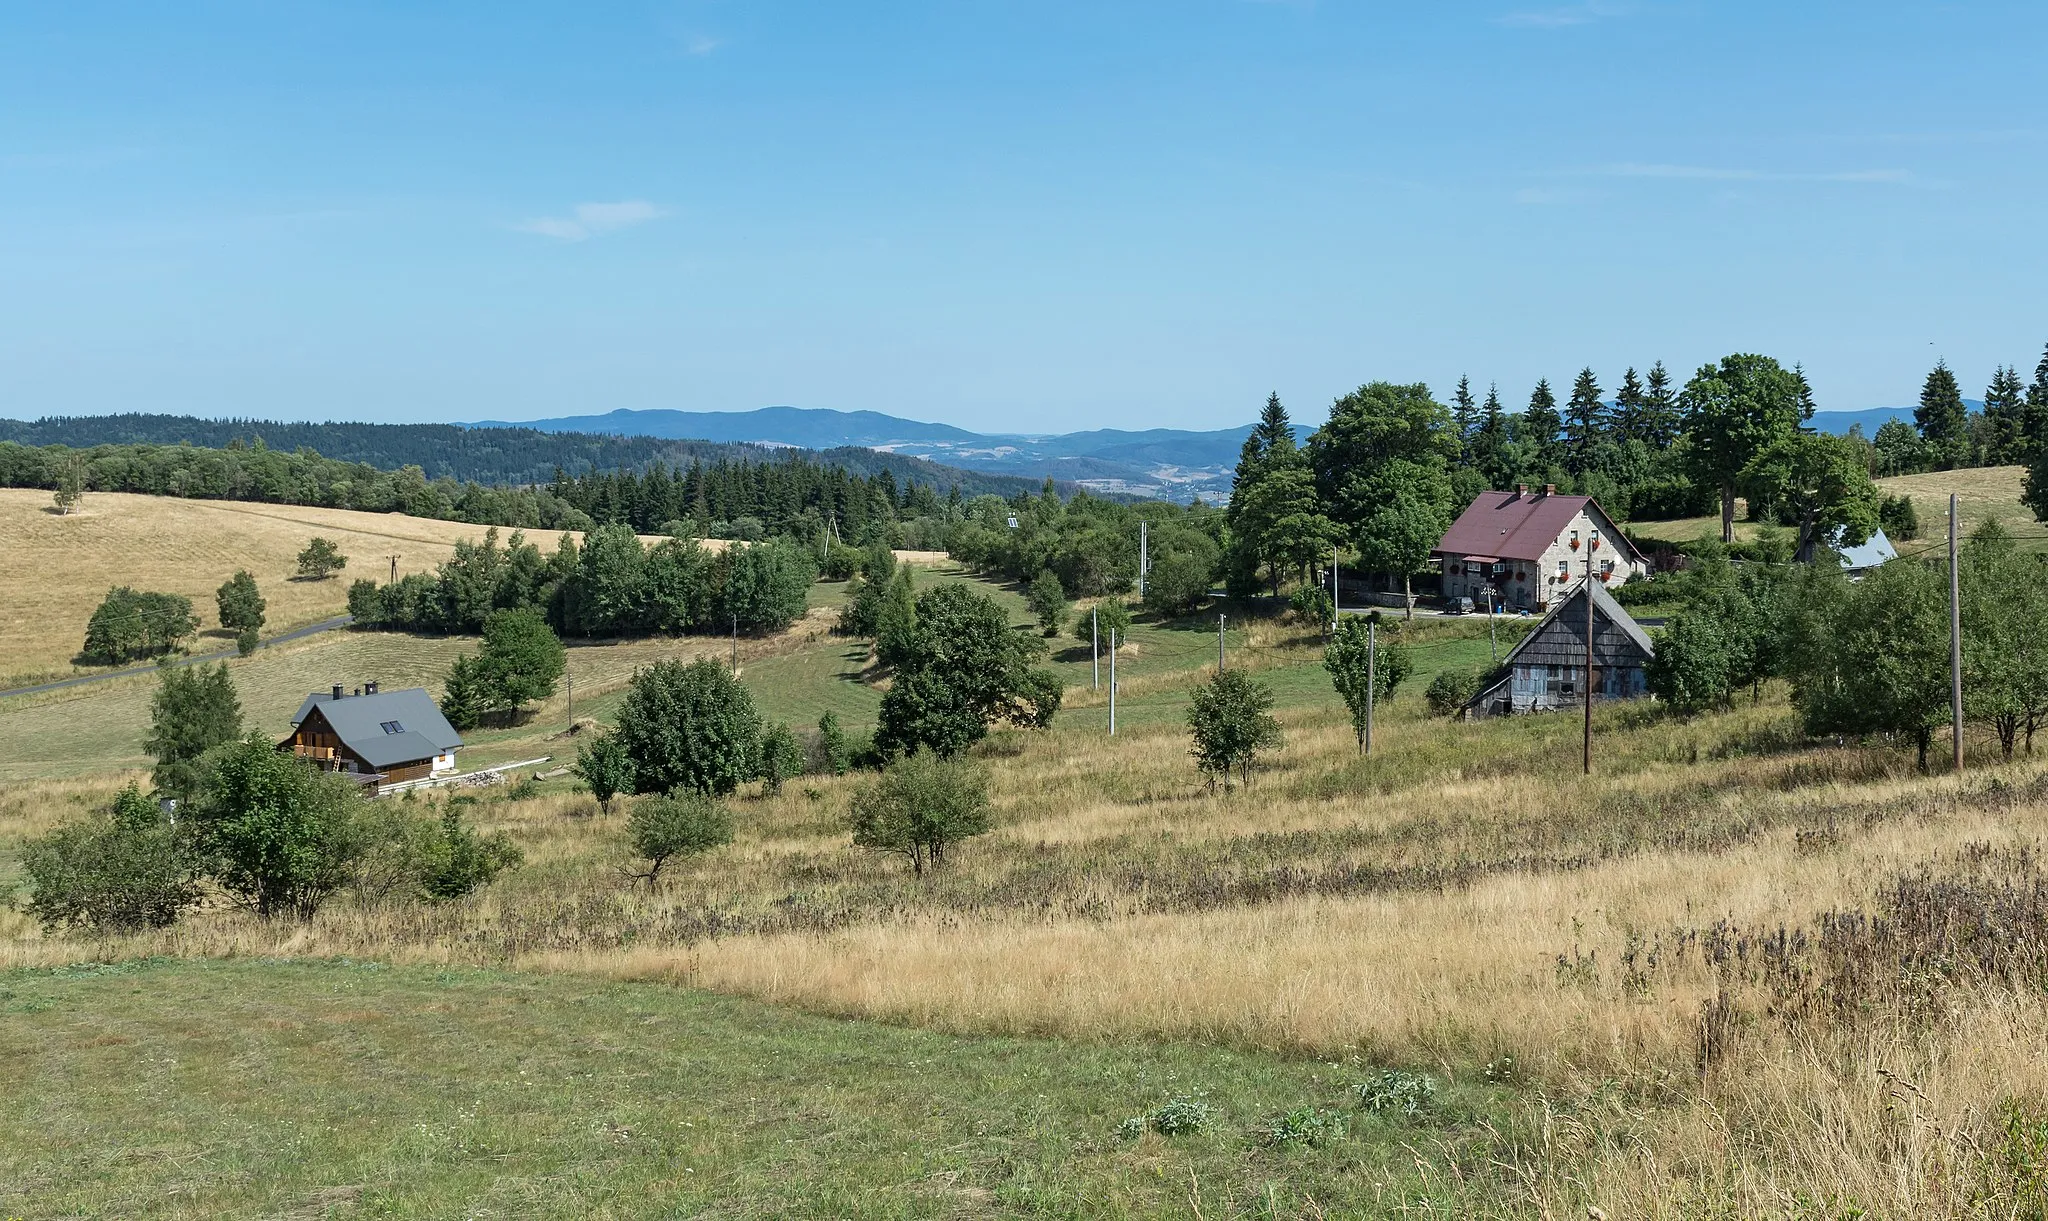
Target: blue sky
x,y
1007,215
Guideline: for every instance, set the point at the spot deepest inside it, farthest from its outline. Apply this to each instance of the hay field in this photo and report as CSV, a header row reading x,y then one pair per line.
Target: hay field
x,y
1981,493
186,547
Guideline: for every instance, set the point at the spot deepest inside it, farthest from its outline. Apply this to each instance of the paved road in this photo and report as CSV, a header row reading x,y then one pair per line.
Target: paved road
x,y
325,625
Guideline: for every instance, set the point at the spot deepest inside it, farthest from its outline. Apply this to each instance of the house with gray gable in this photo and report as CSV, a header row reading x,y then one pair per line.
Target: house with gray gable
x,y
378,737
1546,671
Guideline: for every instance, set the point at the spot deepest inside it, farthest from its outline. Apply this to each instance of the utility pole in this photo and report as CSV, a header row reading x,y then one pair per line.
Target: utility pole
x,y
394,568
1219,642
1112,682
735,644
1955,637
1144,554
568,674
1372,677
1492,632
1592,545
1094,650
1336,590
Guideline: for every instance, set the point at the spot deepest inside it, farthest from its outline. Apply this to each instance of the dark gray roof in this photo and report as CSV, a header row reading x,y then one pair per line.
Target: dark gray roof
x,y
1615,634
359,721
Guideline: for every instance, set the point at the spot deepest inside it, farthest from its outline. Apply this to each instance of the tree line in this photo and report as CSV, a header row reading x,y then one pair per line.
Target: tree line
x,y
503,457
1868,657
1389,469
738,491
610,585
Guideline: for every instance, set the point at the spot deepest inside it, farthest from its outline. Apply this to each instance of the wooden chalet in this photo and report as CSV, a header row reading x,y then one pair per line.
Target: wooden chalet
x,y
1547,670
380,737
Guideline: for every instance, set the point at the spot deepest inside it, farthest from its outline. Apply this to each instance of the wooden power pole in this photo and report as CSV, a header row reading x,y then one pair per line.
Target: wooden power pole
x,y
1592,545
1955,638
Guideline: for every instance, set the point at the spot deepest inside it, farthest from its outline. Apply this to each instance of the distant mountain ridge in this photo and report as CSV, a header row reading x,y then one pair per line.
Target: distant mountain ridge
x,y
1175,463
1838,423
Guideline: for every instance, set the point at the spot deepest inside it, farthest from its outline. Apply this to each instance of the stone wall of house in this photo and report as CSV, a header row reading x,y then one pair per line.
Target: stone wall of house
x,y
1524,585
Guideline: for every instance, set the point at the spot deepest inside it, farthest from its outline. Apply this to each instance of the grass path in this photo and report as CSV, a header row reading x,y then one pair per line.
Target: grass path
x,y
314,1089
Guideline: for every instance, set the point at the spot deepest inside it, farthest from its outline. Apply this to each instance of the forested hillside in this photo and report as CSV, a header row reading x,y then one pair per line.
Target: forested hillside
x,y
768,493
506,456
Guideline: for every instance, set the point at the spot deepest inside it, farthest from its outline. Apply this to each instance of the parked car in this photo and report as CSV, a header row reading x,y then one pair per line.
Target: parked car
x,y
1458,606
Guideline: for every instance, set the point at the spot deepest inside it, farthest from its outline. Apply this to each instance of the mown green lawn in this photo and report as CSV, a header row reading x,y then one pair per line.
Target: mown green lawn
x,y
311,1089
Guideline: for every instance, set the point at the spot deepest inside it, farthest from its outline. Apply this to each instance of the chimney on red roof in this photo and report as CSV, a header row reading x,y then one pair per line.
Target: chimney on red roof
x,y
1550,489
1521,489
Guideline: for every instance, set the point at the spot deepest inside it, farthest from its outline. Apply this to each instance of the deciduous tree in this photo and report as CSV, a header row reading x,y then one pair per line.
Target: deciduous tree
x,y
965,668
689,727
1734,411
1362,671
1047,601
1382,462
194,710
919,806
664,827
279,834
241,608
321,559
1230,720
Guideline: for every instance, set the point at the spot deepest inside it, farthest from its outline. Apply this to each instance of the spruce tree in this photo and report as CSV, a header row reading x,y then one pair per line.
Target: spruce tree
x,y
2034,443
1628,409
2005,407
1806,403
1585,416
1465,409
1274,430
1941,419
1488,447
1660,409
1540,424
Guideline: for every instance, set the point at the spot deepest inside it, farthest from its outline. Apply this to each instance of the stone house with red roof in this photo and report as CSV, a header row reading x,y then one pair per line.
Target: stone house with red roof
x,y
1530,548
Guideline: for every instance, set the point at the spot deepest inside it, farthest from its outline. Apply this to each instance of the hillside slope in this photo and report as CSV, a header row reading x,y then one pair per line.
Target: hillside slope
x,y
186,547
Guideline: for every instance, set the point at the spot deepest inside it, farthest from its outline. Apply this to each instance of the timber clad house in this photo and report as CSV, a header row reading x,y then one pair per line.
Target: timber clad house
x,y
1529,549
379,737
1547,670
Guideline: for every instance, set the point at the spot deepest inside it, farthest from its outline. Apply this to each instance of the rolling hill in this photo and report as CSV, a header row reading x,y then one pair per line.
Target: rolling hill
x,y
1169,462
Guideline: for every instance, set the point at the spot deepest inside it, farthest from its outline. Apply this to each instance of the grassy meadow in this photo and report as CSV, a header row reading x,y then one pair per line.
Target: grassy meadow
x,y
1730,974
1981,493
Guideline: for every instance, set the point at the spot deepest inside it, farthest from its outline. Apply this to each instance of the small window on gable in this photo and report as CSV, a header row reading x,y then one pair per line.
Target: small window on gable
x,y
393,727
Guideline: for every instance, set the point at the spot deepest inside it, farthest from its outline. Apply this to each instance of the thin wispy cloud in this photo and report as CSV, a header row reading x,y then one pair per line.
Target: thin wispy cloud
x,y
700,45
1566,16
1710,173
589,220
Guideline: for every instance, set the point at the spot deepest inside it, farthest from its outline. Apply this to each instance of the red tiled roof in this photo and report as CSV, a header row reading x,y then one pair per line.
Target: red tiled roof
x,y
1519,525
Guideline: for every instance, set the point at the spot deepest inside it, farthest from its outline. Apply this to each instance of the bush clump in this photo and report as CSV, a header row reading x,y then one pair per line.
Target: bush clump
x,y
1181,1116
663,828
1303,1128
1450,691
1398,1093
123,869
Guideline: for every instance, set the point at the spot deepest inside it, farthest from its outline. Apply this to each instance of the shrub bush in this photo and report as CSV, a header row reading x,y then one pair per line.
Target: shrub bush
x,y
1450,691
1395,1092
662,828
1303,1127
1181,1116
122,869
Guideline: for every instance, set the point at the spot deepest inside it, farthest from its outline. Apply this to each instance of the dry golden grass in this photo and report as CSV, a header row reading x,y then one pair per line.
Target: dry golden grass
x,y
191,547
188,547
1462,897
1981,493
